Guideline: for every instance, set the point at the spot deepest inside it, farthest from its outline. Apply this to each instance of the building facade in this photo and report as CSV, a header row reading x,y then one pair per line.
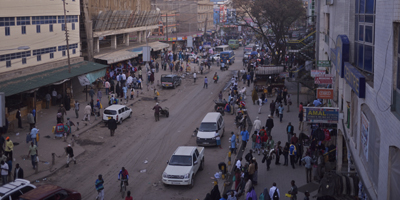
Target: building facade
x,y
361,39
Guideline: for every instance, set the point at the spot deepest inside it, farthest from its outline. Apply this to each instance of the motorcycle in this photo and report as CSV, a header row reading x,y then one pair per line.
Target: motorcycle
x,y
220,107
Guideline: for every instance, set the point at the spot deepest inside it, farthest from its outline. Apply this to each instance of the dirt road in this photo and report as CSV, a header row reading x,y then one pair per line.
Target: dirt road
x,y
140,138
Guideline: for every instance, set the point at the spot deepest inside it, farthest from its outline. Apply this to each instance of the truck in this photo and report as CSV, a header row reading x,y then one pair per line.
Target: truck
x,y
183,165
269,76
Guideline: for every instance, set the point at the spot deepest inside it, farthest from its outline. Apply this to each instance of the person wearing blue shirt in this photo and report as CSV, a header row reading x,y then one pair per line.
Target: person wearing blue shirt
x,y
100,188
233,143
245,137
317,102
292,154
33,134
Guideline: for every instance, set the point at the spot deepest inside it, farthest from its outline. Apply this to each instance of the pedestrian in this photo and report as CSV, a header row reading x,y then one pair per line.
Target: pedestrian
x,y
289,102
128,194
112,125
248,80
257,124
107,86
4,172
258,143
307,195
18,172
233,143
31,120
294,139
18,116
48,98
62,111
9,148
277,104
251,195
194,77
285,93
320,165
249,156
278,152
248,184
301,123
299,152
272,108
132,93
270,143
70,154
292,154
218,140
274,192
280,109
100,188
91,93
99,95
286,154
293,191
289,131
220,96
33,153
269,125
157,109
308,165
54,97
9,163
260,104
205,82
267,157
76,108
245,137
88,111
34,134
255,174
254,96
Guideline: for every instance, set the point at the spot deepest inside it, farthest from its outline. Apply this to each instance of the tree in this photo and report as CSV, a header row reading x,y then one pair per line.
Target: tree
x,y
270,15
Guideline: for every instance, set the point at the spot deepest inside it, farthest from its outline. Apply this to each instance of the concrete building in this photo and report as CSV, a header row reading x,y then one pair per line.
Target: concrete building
x,y
361,39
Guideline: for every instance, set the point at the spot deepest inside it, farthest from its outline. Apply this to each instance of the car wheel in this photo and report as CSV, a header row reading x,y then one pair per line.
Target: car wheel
x,y
201,165
130,115
192,182
167,114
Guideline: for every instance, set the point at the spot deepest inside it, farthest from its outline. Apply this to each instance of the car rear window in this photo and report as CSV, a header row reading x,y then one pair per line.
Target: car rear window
x,y
166,79
110,112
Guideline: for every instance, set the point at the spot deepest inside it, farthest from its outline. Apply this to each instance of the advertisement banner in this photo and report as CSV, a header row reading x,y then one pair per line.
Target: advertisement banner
x,y
324,63
324,79
321,114
364,134
315,73
323,93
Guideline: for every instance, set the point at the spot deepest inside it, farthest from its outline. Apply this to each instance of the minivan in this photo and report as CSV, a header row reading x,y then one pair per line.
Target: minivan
x,y
233,44
211,126
118,112
170,80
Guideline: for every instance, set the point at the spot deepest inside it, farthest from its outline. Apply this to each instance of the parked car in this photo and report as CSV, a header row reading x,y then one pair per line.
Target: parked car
x,y
13,190
192,56
216,57
211,125
170,80
118,112
50,192
184,164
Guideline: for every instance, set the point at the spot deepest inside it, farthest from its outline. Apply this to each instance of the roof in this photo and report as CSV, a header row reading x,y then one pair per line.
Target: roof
x,y
33,81
211,117
168,75
115,107
184,150
41,192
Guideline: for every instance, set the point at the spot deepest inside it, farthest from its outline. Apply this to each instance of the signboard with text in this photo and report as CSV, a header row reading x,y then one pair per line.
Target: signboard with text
x,y
324,63
340,54
324,93
315,73
321,114
324,79
355,79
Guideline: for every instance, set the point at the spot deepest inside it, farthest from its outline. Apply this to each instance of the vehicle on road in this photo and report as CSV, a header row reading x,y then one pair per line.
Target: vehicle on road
x,y
183,165
220,106
216,56
192,56
170,80
118,112
222,48
16,188
249,48
211,126
227,57
233,44
47,192
164,111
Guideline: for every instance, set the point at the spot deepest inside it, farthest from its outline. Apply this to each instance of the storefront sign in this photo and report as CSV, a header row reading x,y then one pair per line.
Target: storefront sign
x,y
315,73
324,93
324,63
321,114
355,79
324,79
364,134
340,54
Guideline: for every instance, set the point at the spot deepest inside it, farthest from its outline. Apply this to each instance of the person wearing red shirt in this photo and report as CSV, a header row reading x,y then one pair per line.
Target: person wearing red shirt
x,y
128,196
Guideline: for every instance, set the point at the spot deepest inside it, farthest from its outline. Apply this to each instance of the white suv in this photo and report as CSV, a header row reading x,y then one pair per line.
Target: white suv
x,y
118,112
13,190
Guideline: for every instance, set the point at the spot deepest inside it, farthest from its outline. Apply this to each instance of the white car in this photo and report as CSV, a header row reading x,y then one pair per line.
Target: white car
x,y
192,56
13,190
183,166
216,57
118,112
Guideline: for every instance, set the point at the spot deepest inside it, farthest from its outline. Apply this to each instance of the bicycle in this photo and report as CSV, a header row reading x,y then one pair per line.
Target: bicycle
x,y
123,187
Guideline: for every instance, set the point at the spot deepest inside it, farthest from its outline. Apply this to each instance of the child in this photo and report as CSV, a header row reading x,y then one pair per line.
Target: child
x,y
132,94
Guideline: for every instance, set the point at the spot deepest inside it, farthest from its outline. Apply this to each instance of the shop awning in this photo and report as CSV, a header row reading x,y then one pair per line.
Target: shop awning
x,y
129,53
32,81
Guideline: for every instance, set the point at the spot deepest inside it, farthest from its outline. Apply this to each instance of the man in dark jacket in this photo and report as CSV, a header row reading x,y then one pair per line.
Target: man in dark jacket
x,y
112,125
289,131
269,125
18,173
272,107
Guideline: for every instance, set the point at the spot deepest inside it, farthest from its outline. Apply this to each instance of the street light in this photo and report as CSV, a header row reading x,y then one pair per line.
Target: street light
x,y
18,48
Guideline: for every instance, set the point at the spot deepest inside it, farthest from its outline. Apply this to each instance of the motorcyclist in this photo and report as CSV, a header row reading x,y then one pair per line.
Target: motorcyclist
x,y
123,173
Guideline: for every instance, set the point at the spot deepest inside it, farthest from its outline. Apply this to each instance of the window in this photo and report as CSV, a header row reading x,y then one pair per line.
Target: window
x,y
70,18
8,63
43,51
51,55
63,27
73,51
23,60
364,34
63,53
44,20
64,47
7,31
37,28
51,27
23,30
7,21
39,58
73,26
15,55
23,21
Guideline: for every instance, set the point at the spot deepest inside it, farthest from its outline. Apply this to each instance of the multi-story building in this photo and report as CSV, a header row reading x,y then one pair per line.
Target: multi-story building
x,y
205,15
361,39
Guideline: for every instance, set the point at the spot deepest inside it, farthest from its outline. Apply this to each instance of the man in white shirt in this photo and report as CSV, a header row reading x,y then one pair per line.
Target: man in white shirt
x,y
129,81
4,172
239,163
194,77
272,191
54,98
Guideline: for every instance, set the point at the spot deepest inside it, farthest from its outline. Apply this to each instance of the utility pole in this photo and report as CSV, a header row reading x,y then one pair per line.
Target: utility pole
x,y
166,27
66,36
205,26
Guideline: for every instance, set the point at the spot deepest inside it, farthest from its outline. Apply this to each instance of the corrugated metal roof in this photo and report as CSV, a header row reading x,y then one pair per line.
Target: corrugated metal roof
x,y
33,81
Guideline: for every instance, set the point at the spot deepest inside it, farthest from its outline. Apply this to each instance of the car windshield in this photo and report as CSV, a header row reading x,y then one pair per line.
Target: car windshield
x,y
166,79
181,160
110,112
224,55
207,127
